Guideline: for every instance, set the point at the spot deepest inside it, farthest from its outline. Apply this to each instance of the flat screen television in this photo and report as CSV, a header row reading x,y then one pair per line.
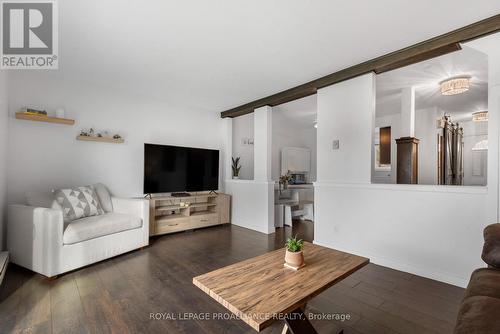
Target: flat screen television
x,y
170,169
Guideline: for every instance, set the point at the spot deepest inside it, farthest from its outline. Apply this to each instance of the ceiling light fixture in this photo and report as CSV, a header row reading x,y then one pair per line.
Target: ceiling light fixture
x,y
455,85
316,124
480,116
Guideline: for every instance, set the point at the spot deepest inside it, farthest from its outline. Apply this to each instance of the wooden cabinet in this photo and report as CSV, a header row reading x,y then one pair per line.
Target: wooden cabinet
x,y
407,161
224,208
174,214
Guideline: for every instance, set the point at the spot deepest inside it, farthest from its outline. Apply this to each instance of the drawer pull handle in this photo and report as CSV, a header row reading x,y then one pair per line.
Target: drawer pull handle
x,y
204,220
173,224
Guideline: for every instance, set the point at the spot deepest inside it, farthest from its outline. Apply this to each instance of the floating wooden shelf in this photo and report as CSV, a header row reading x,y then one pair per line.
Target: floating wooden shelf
x,y
43,118
101,139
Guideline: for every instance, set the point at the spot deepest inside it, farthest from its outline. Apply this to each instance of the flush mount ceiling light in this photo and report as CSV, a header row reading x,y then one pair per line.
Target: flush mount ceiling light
x,y
480,116
455,85
315,124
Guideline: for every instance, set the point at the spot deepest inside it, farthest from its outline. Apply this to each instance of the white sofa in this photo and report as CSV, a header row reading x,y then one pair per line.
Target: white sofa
x,y
38,239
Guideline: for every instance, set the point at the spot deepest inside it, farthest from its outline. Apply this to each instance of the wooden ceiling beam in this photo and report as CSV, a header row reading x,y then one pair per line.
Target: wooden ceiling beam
x,y
428,49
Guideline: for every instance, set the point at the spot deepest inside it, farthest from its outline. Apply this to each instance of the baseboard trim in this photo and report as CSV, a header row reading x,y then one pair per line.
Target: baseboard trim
x,y
406,267
269,231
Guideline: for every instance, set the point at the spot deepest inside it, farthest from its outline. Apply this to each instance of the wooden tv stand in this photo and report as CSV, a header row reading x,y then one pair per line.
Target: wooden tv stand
x,y
170,214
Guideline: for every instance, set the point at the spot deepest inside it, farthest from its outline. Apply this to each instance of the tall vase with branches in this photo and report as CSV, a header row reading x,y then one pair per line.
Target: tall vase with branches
x,y
284,180
236,167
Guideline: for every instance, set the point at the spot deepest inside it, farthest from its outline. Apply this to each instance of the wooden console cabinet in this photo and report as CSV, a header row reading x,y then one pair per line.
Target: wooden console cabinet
x,y
174,214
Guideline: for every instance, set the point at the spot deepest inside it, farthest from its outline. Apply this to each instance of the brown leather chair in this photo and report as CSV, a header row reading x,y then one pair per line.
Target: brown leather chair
x,y
480,309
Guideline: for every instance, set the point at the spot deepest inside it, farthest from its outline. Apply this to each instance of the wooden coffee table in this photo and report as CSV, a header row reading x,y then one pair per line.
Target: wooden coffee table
x,y
261,290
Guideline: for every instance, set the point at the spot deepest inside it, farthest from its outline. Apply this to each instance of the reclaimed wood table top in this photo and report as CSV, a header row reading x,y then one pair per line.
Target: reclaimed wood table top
x,y
260,290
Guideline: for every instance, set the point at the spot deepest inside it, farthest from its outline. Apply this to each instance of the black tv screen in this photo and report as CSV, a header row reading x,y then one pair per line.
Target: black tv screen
x,y
177,169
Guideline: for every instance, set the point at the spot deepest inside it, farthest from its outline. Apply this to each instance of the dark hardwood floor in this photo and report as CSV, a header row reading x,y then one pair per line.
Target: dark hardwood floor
x,y
119,295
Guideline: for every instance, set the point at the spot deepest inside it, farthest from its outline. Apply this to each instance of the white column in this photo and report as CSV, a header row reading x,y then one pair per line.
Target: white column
x,y
490,46
493,132
253,200
493,52
408,112
345,117
262,143
228,148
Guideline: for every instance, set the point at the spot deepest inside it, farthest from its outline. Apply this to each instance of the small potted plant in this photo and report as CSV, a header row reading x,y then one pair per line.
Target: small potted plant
x,y
294,257
236,167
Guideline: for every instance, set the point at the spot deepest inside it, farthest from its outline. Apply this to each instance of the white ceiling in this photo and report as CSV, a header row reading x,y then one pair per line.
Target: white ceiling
x,y
426,76
214,55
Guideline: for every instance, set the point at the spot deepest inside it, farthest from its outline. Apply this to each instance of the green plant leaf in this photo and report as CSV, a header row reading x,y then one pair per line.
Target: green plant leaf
x,y
294,245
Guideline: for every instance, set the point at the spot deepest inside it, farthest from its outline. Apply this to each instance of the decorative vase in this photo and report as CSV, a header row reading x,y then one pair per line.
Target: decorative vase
x,y
235,177
285,185
294,259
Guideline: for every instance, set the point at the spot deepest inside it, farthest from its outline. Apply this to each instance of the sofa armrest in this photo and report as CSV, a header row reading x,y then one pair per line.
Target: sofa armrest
x,y
491,247
134,206
131,206
35,237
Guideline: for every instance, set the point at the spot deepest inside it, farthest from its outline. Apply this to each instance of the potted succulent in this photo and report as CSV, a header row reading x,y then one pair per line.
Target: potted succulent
x,y
294,257
236,167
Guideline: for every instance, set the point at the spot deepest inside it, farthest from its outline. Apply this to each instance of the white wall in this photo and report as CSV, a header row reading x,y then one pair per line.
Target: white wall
x,y
243,129
286,133
252,204
432,231
3,153
44,156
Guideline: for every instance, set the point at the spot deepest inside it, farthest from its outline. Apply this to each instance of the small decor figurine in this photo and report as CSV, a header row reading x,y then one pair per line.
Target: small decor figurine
x,y
89,133
294,256
101,135
284,180
236,167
